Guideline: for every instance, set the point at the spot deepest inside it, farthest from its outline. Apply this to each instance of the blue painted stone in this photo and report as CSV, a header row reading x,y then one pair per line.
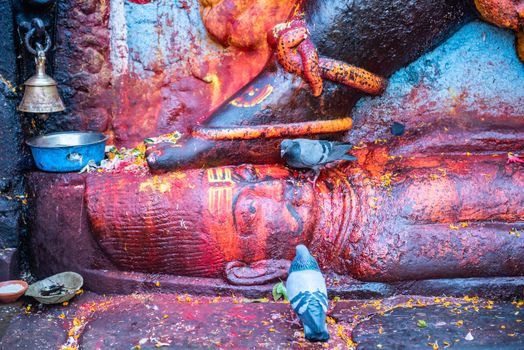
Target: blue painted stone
x,y
471,80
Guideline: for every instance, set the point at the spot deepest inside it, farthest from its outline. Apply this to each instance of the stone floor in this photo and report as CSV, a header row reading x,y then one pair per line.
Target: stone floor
x,y
171,321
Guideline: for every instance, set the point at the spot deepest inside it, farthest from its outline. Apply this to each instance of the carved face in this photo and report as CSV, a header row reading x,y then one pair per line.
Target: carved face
x,y
272,217
191,223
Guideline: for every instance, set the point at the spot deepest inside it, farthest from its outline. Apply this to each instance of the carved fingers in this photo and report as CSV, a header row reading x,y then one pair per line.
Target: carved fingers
x,y
355,77
285,44
312,72
258,273
297,54
289,39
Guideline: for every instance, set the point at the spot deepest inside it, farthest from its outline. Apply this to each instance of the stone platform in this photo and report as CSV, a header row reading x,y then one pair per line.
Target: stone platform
x,y
182,321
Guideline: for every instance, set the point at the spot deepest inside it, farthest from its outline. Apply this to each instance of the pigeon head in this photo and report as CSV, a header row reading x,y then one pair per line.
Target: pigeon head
x,y
302,252
303,260
285,146
289,147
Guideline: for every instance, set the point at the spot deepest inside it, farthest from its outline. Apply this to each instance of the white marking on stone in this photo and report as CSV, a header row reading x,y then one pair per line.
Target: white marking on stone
x,y
119,51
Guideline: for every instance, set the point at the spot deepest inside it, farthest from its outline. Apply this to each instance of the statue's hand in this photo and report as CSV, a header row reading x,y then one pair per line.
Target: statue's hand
x,y
297,54
260,272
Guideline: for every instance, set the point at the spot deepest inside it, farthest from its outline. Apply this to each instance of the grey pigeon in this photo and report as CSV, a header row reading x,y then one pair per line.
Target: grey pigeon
x,y
307,293
313,154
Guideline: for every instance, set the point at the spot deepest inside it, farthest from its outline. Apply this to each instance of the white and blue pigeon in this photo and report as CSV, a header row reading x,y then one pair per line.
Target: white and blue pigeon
x,y
307,293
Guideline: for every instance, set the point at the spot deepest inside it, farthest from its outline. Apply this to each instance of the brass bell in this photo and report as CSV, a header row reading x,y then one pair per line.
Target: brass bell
x,y
41,93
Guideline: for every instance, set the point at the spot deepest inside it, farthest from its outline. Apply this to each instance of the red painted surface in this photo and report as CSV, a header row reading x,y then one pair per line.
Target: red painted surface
x,y
174,97
419,207
504,13
244,23
453,217
192,223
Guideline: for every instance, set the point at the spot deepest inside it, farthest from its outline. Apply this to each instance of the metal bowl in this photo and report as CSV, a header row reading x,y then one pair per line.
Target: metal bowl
x,y
67,139
67,151
71,281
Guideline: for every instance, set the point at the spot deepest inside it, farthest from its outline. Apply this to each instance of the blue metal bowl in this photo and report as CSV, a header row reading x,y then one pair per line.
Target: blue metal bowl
x,y
62,152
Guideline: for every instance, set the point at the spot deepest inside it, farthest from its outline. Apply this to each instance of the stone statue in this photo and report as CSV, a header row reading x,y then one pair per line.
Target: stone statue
x,y
438,202
427,227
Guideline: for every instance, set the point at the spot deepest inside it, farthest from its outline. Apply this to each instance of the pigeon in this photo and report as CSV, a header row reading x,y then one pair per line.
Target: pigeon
x,y
313,154
306,289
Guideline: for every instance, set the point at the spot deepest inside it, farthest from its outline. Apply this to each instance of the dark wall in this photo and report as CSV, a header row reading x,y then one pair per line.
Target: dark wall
x,y
344,29
12,156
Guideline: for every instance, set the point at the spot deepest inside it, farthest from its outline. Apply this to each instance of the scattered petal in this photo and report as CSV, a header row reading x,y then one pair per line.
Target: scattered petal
x,y
159,344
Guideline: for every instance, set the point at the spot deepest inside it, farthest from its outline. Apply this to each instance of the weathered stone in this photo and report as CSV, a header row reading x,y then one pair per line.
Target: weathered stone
x,y
96,254
12,156
490,326
445,102
10,214
375,35
9,264
174,321
82,57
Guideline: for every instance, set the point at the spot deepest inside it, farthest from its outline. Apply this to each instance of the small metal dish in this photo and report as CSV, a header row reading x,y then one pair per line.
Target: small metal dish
x,y
71,282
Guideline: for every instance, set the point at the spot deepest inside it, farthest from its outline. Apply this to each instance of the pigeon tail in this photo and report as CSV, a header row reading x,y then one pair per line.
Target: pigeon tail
x,y
314,319
338,150
348,157
313,337
347,145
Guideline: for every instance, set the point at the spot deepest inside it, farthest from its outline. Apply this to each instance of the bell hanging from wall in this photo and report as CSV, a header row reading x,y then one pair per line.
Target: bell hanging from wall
x,y
41,93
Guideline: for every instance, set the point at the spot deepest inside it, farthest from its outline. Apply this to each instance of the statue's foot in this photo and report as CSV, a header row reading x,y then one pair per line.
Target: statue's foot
x,y
186,153
258,273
